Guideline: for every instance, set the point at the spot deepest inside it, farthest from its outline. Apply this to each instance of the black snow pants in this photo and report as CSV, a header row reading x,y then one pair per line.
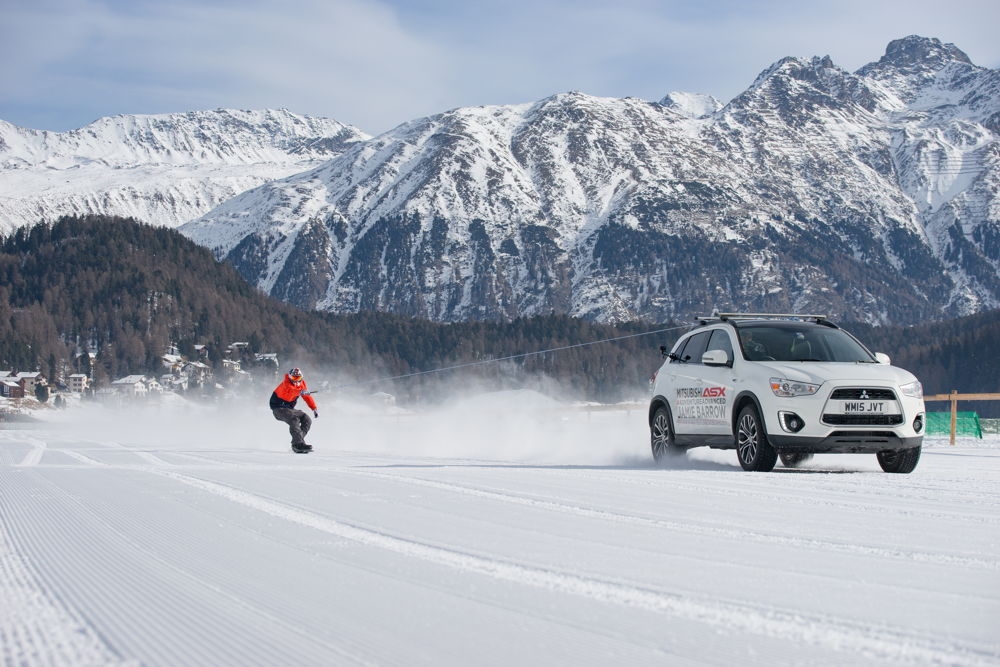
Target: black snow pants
x,y
298,422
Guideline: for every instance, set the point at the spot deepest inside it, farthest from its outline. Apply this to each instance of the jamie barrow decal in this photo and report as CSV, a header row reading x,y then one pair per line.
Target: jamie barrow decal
x,y
701,405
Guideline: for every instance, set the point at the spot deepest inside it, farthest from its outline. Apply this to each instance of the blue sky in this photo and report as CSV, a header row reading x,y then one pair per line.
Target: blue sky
x,y
374,64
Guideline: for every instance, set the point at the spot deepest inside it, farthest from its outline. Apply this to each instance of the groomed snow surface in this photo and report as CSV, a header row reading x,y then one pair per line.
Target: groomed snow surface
x,y
503,530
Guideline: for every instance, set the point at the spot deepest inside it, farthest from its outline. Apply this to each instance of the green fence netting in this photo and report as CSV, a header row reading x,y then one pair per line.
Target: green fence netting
x,y
966,423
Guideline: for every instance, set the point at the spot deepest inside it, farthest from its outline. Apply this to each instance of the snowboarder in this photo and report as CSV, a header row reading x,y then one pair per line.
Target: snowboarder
x,y
283,400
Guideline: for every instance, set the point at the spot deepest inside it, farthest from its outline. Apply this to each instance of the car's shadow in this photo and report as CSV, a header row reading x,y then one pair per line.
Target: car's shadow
x,y
679,466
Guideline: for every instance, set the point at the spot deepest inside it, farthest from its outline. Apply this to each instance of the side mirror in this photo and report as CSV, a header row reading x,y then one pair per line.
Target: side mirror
x,y
882,358
715,358
663,351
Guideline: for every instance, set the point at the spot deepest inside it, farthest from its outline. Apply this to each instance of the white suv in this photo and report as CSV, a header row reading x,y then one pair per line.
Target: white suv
x,y
785,386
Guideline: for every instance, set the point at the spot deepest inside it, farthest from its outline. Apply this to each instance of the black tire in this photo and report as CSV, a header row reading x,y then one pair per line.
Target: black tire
x,y
752,448
661,435
899,461
794,459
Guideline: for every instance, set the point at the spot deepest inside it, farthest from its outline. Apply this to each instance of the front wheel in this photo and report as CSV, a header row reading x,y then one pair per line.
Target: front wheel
x,y
899,461
755,453
661,435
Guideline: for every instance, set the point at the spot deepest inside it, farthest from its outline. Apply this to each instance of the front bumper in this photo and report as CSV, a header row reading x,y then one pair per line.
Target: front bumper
x,y
860,442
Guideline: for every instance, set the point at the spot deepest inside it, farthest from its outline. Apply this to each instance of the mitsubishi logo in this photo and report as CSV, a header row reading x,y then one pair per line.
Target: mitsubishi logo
x,y
864,394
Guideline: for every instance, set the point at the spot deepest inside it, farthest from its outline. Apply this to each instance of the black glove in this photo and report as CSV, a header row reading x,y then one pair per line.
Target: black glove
x,y
316,414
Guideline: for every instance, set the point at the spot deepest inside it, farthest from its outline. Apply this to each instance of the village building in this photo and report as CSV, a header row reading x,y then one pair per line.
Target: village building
x,y
78,383
11,389
197,372
131,385
174,382
30,381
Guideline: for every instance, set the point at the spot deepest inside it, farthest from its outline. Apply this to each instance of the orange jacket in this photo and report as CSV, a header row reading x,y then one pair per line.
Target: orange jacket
x,y
287,393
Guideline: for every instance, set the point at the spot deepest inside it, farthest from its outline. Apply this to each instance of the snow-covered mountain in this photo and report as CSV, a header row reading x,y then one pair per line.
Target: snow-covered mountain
x,y
163,169
870,194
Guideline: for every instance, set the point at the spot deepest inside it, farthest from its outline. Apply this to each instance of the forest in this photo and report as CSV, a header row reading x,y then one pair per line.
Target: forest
x,y
110,296
124,292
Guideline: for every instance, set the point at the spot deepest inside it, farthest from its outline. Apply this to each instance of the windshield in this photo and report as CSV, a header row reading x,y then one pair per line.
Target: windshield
x,y
800,342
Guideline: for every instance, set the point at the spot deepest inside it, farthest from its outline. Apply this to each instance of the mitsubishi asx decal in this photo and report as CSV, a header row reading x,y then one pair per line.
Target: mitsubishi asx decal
x,y
701,405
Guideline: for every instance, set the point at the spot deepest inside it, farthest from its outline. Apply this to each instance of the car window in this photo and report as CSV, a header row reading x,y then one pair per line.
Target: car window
x,y
720,341
677,356
792,342
753,343
694,348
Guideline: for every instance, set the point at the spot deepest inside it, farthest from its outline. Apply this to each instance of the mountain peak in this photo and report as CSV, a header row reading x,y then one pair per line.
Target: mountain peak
x,y
921,70
922,52
794,86
915,56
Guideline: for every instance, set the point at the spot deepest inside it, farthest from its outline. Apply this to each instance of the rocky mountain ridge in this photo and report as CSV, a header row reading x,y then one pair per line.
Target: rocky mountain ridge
x,y
869,195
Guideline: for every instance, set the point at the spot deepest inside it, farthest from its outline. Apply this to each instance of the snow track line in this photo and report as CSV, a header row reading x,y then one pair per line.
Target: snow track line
x,y
343,655
39,521
880,642
82,458
35,628
33,457
152,458
708,531
149,457
743,489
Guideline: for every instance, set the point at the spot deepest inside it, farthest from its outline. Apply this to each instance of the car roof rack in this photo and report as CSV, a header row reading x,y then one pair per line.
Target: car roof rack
x,y
725,317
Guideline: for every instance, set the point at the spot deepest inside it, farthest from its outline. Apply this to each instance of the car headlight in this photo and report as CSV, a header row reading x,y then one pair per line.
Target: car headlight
x,y
913,389
790,388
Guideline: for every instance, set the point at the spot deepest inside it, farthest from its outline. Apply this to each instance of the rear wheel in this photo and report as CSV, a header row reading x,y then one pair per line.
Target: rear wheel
x,y
754,451
794,459
661,435
899,461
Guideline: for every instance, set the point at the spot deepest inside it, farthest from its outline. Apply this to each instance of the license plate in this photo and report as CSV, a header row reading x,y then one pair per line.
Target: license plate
x,y
868,407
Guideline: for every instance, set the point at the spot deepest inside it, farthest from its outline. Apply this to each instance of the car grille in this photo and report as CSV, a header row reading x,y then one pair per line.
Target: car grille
x,y
863,420
863,393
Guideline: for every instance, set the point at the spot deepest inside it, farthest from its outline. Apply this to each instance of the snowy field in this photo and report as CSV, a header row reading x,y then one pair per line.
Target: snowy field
x,y
509,531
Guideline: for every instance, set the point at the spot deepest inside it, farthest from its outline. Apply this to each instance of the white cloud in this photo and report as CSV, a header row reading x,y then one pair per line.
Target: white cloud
x,y
375,64
339,58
